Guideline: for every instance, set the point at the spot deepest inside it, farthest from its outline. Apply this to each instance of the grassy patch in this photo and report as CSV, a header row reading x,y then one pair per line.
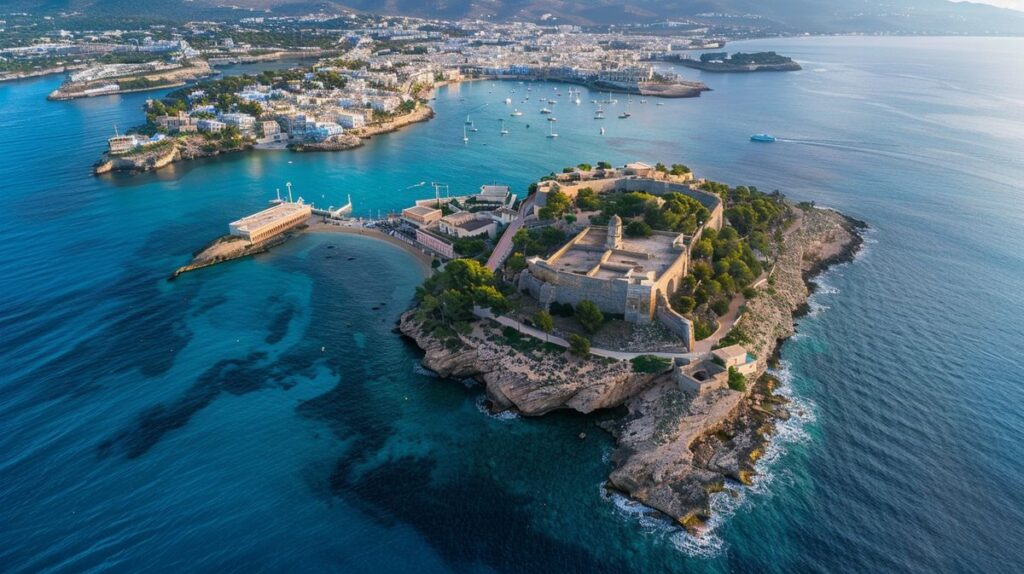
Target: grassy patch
x,y
650,364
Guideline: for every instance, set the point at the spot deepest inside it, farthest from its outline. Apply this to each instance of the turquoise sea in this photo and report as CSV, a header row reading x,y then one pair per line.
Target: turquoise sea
x,y
261,415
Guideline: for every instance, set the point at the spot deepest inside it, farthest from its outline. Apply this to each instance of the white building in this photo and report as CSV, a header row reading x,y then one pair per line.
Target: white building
x,y
244,122
271,221
210,126
350,120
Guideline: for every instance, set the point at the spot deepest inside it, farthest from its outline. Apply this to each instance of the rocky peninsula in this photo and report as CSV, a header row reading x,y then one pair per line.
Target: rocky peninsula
x,y
171,150
673,449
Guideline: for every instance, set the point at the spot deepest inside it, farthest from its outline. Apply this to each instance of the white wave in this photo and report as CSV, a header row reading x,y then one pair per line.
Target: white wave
x,y
502,416
824,287
816,308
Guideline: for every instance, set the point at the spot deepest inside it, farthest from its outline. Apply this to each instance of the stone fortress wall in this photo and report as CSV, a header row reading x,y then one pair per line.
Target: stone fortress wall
x,y
640,297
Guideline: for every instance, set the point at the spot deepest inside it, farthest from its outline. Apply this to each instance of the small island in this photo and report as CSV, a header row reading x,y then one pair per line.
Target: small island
x,y
638,287
740,62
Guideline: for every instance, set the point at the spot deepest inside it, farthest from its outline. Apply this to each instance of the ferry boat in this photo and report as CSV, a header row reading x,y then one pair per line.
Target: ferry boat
x,y
765,138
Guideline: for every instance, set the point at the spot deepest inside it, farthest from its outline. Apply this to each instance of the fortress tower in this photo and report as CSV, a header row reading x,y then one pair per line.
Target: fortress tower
x,y
614,240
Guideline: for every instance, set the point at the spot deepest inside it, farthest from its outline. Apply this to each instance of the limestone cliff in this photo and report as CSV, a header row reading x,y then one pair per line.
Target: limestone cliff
x,y
532,380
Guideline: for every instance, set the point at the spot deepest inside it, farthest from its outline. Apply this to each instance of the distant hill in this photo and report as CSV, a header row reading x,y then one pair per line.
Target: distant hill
x,y
788,16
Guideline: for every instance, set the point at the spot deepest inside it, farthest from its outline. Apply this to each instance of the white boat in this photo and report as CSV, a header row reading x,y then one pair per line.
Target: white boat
x,y
545,111
468,123
660,103
599,113
602,131
503,130
643,101
516,113
577,100
508,100
465,137
472,127
551,133
552,102
552,119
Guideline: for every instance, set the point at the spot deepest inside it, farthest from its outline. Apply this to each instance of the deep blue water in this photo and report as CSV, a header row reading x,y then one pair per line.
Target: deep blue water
x,y
261,416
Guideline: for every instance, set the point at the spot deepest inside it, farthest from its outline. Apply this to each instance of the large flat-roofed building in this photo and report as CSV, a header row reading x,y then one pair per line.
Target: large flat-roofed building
x,y
467,224
271,221
493,194
421,215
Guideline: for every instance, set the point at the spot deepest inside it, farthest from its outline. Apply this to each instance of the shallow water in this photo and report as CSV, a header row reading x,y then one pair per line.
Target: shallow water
x,y
260,415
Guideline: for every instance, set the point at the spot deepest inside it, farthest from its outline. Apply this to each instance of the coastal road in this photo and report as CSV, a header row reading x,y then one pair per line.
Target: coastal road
x,y
504,247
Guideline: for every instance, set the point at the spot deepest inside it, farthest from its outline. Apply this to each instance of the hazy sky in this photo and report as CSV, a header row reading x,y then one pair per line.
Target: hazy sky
x,y
1015,4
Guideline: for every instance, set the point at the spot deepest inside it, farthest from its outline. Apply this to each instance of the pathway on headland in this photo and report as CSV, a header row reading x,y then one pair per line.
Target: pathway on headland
x,y
504,247
554,339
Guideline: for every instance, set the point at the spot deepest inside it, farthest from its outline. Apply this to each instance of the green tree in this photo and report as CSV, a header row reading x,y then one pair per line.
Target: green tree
x,y
587,200
683,304
720,306
488,296
556,205
579,345
703,249
737,381
638,229
589,316
542,319
516,263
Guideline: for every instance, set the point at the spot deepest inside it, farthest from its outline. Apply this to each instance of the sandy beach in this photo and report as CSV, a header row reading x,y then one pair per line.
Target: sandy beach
x,y
422,258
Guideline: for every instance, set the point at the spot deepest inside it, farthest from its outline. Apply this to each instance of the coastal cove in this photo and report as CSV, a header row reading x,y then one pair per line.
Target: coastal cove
x,y
275,382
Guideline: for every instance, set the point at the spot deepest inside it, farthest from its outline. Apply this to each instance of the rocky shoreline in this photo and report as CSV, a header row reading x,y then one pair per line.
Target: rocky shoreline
x,y
181,149
673,450
228,248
